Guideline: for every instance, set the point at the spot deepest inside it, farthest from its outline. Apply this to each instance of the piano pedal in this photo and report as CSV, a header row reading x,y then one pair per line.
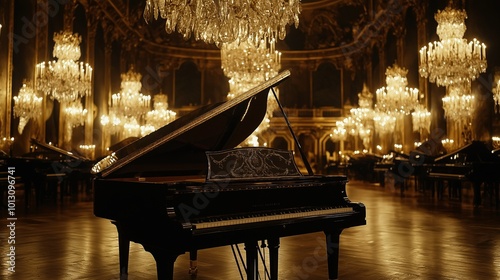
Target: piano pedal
x,y
193,269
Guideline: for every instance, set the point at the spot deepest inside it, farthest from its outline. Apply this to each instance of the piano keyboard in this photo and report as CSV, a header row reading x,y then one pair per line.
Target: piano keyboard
x,y
266,218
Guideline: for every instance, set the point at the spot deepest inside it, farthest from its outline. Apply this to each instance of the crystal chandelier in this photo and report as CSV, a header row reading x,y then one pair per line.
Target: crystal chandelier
x,y
452,60
129,102
65,80
225,21
131,128
75,114
27,105
396,97
339,133
496,92
421,119
459,104
384,123
160,116
128,107
247,65
112,123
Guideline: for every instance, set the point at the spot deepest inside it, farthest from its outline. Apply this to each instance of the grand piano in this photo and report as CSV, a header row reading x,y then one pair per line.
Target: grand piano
x,y
48,167
475,163
187,187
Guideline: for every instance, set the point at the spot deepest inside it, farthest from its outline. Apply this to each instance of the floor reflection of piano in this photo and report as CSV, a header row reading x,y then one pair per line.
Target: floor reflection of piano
x,y
48,167
475,163
185,187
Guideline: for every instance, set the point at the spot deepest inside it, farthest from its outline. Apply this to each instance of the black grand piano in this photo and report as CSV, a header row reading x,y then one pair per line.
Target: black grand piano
x,y
48,167
475,163
186,187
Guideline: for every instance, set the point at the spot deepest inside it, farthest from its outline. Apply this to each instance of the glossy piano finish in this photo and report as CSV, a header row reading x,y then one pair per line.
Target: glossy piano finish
x,y
185,187
50,170
475,163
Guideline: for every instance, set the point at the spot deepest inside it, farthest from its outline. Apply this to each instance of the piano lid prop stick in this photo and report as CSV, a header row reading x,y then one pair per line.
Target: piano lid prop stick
x,y
302,154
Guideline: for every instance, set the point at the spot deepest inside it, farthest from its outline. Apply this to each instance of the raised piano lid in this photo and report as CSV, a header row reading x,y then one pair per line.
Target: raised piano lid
x,y
476,151
58,153
179,147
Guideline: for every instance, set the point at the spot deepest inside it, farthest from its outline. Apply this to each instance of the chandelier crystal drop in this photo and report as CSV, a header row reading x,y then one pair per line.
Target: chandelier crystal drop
x,y
225,21
65,79
452,60
396,97
27,105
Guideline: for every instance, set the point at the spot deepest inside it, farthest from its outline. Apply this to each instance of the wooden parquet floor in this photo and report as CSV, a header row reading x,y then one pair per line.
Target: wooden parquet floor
x,y
406,237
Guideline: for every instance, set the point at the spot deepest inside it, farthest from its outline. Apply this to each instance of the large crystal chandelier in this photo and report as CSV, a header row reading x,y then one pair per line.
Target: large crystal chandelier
x,y
421,119
128,107
396,97
248,65
130,102
27,105
225,21
459,103
452,60
160,116
66,79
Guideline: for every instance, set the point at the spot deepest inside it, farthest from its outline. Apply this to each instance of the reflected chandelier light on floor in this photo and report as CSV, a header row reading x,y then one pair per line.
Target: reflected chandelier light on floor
x,y
452,60
226,21
396,97
65,79
27,105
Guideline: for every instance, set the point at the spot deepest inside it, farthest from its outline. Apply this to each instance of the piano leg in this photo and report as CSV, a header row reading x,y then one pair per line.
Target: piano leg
x,y
193,262
477,193
123,249
274,245
164,263
332,246
252,262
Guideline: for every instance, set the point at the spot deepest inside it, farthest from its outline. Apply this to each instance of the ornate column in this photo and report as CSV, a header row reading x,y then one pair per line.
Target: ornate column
x,y
7,38
41,54
420,11
89,99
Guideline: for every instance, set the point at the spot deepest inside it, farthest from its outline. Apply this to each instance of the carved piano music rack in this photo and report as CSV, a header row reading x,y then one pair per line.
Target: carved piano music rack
x,y
185,187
